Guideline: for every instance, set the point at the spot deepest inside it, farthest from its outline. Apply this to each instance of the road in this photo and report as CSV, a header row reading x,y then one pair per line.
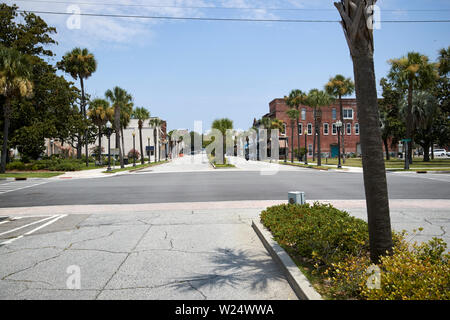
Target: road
x,y
178,231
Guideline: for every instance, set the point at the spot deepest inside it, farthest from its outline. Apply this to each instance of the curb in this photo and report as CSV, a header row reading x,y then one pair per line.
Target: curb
x,y
297,280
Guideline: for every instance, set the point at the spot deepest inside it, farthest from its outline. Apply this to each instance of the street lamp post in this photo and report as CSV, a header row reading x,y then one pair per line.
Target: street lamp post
x,y
148,152
134,149
306,146
339,126
108,134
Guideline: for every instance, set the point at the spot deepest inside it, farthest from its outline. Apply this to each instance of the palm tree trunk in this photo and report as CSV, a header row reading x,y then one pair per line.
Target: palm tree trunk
x,y
341,112
298,138
154,143
117,128
292,141
410,120
314,138
123,143
142,147
6,120
386,147
100,144
83,108
319,154
374,171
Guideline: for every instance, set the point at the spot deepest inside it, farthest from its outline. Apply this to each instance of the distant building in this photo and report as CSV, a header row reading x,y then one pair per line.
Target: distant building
x,y
328,130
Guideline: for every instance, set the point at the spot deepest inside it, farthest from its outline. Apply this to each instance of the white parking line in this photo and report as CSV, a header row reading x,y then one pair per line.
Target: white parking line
x,y
27,225
56,218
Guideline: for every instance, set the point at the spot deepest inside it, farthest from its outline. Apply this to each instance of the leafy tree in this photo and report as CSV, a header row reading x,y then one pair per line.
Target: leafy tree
x,y
142,115
15,74
31,36
295,99
316,100
80,64
100,113
410,73
339,87
119,99
293,115
223,125
360,42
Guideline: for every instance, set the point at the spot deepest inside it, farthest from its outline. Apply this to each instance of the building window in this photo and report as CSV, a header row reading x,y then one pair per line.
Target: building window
x,y
284,128
326,129
348,114
333,112
300,129
349,129
310,149
303,114
356,128
310,128
334,129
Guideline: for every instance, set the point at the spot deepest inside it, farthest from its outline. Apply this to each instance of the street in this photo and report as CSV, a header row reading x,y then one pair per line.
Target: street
x,y
181,230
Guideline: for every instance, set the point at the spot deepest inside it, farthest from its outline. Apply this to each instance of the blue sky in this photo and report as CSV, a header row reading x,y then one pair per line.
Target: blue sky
x,y
183,71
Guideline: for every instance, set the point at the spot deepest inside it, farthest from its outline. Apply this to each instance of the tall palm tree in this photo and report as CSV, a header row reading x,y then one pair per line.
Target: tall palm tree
x,y
100,112
223,125
155,122
125,116
295,99
409,73
444,61
318,99
15,75
293,115
142,115
80,64
119,99
339,87
360,42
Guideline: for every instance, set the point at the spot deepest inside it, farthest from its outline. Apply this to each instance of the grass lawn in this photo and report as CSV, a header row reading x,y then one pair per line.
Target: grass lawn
x,y
140,166
220,166
30,174
395,163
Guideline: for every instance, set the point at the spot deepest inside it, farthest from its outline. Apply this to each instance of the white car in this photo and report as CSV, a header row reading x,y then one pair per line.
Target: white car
x,y
440,153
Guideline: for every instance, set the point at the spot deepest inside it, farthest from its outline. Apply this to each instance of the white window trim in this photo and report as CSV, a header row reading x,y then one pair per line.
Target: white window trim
x,y
357,132
310,150
348,125
284,129
303,114
334,111
347,118
300,132
332,131
312,129
326,124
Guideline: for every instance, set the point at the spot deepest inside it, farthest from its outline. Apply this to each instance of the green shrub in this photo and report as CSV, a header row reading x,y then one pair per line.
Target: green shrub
x,y
16,165
319,232
413,272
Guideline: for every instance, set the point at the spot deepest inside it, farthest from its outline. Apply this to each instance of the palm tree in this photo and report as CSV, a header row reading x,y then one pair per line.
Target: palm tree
x,y
15,75
294,100
223,125
293,116
444,61
100,112
142,115
119,99
339,87
360,42
409,73
318,99
80,63
155,122
125,116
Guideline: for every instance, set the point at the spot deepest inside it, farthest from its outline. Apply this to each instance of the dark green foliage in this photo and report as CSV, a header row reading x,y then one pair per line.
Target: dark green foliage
x,y
319,232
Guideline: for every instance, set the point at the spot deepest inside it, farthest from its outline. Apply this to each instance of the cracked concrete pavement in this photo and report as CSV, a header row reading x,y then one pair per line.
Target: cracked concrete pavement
x,y
189,255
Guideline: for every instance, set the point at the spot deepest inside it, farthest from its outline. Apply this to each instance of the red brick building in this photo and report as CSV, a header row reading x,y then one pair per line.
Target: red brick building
x,y
328,130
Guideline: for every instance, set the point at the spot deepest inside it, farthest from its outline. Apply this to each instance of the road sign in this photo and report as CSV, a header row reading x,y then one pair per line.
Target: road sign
x,y
149,148
114,151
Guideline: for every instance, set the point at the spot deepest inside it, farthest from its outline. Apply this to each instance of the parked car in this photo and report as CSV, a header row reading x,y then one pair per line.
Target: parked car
x,y
440,153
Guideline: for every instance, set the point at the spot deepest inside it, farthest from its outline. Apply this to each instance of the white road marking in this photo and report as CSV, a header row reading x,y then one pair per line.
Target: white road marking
x,y
27,225
19,185
56,218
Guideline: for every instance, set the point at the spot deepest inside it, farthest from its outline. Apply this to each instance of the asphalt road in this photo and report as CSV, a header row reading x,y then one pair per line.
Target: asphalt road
x,y
154,187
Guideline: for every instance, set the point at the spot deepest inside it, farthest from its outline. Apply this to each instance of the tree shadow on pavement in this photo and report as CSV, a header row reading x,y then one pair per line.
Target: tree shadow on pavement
x,y
234,268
